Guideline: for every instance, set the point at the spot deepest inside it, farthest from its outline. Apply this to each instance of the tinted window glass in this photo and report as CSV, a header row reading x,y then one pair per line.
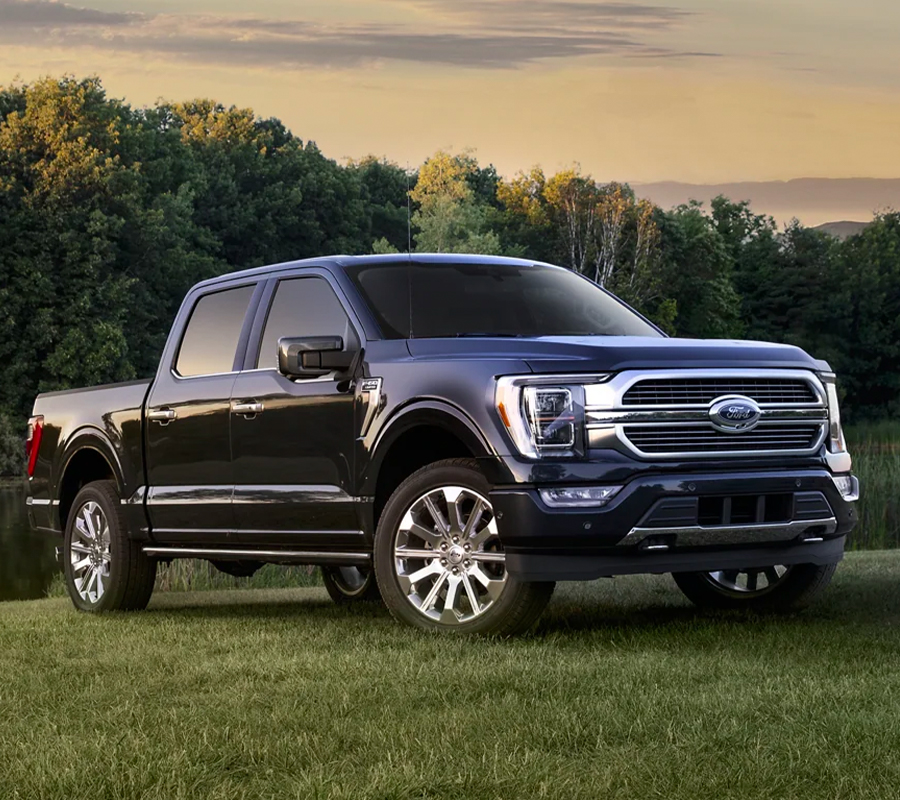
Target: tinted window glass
x,y
212,334
386,290
493,300
302,307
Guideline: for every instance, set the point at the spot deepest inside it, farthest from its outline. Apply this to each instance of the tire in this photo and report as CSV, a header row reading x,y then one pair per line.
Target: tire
x,y
350,585
786,588
104,569
471,591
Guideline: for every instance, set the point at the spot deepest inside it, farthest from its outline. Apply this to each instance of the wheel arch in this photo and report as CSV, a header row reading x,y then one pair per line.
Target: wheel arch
x,y
420,434
88,456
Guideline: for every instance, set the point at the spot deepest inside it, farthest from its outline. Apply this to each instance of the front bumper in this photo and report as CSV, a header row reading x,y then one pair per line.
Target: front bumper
x,y
662,523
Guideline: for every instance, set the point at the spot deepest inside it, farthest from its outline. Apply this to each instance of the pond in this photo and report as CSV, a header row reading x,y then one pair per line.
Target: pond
x,y
27,562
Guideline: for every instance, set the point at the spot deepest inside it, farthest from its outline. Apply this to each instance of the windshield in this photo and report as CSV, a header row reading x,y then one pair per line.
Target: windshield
x,y
472,299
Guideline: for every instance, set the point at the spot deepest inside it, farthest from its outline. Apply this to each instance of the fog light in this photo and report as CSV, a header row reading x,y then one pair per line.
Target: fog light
x,y
848,486
574,497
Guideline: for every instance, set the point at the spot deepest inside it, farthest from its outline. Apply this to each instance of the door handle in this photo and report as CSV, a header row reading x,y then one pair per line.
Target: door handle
x,y
162,415
247,409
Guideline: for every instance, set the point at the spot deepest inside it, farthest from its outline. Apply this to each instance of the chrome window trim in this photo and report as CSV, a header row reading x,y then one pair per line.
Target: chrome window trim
x,y
605,411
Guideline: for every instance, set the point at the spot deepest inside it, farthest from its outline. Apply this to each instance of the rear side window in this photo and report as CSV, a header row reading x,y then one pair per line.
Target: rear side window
x,y
212,333
302,307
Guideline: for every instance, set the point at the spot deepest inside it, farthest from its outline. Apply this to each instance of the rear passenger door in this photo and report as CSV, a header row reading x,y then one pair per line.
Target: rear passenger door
x,y
292,460
188,413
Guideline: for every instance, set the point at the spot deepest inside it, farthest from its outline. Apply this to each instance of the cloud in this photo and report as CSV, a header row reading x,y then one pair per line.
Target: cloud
x,y
467,33
42,14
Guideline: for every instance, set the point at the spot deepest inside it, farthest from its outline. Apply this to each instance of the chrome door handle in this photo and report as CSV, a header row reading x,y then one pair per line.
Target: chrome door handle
x,y
246,408
162,415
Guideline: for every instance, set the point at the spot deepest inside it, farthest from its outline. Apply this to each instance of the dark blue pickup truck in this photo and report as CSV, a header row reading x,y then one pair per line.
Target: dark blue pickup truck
x,y
451,434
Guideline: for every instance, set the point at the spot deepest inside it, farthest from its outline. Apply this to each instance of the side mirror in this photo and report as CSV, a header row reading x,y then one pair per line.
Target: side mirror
x,y
312,356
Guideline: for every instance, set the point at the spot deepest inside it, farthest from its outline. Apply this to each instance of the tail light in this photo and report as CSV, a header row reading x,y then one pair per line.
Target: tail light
x,y
33,442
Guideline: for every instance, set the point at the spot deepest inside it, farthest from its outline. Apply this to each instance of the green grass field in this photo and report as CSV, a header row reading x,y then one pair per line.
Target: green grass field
x,y
624,690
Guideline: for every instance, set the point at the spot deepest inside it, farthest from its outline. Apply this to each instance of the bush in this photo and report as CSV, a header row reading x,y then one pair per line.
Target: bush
x,y
12,448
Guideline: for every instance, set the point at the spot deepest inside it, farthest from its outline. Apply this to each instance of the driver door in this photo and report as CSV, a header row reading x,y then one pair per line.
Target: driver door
x,y
293,439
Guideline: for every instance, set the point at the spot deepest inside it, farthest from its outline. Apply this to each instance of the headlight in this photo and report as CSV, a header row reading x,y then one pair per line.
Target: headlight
x,y
836,443
544,415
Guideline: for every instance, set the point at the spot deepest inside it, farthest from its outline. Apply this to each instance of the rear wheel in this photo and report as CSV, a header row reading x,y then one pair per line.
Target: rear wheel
x,y
104,569
777,588
350,584
439,560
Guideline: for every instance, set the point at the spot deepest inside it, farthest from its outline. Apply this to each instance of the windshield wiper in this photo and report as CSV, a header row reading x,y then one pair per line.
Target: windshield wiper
x,y
491,335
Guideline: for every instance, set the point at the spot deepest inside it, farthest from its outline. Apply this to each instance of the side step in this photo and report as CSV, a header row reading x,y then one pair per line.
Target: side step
x,y
267,556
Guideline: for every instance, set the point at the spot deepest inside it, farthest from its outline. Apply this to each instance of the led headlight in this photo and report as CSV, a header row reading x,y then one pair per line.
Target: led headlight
x,y
836,443
544,414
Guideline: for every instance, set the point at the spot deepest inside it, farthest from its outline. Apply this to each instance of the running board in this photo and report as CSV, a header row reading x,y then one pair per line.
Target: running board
x,y
267,556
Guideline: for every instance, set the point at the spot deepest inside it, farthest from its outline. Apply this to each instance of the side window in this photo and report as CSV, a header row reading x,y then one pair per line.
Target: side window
x,y
211,337
302,307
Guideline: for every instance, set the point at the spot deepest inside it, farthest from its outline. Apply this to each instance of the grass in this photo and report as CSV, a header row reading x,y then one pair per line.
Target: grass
x,y
623,691
875,448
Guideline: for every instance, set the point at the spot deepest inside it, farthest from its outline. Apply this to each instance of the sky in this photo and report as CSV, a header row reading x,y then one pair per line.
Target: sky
x,y
702,91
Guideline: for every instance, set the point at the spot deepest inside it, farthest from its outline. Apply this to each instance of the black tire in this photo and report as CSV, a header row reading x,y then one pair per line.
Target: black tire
x,y
796,589
517,604
125,572
351,585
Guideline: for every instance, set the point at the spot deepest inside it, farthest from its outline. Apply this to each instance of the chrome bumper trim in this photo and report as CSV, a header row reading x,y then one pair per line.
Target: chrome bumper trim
x,y
714,535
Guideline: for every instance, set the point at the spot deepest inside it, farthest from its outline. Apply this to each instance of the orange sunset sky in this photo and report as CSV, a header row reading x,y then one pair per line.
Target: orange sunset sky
x,y
701,91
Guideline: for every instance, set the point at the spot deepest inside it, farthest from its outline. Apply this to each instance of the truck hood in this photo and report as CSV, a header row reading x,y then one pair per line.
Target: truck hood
x,y
547,354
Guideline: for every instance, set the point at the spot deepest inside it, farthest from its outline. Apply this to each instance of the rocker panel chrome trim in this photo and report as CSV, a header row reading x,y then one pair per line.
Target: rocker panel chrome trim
x,y
259,555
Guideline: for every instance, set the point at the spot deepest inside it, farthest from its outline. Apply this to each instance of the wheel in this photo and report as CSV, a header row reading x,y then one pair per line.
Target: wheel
x,y
351,584
780,588
439,561
104,569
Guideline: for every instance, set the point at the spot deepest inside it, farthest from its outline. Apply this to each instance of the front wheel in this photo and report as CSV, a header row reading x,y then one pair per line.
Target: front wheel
x,y
439,561
777,588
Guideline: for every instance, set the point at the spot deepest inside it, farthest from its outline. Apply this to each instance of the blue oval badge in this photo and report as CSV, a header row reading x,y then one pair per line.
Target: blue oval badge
x,y
735,414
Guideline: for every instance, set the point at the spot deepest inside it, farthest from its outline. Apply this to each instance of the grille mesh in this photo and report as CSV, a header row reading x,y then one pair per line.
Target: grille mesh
x,y
703,438
702,391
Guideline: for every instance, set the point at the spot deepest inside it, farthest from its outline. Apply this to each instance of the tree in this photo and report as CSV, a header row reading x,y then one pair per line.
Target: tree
x,y
696,269
449,219
572,205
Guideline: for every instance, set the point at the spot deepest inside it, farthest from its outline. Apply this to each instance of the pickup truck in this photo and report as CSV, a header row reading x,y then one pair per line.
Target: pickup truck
x,y
451,434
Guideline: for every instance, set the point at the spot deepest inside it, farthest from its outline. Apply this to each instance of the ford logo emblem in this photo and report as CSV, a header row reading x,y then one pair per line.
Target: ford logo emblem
x,y
734,414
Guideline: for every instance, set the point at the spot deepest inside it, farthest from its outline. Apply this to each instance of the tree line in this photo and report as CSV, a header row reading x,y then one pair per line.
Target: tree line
x,y
109,213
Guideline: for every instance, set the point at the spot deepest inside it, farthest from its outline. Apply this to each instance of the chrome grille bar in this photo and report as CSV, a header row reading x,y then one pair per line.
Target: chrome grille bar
x,y
665,414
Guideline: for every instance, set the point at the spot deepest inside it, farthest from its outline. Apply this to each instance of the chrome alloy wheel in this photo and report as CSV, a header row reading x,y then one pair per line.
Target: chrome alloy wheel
x,y
747,582
448,557
89,552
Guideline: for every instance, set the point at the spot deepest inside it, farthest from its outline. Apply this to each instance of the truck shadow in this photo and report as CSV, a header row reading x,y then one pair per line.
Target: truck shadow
x,y
635,605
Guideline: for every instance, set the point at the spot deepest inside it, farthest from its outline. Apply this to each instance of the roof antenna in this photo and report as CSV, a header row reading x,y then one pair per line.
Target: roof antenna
x,y
408,215
409,249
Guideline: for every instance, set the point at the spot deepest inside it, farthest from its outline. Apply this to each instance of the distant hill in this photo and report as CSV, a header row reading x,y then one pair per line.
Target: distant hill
x,y
813,201
843,229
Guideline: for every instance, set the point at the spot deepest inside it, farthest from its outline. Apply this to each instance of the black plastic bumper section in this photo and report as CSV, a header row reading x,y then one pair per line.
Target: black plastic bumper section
x,y
544,543
585,567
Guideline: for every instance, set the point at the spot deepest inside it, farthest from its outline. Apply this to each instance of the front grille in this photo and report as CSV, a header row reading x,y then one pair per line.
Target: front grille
x,y
702,391
703,438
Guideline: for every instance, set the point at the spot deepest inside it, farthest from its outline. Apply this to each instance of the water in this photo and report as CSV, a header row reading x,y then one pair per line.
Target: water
x,y
27,563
